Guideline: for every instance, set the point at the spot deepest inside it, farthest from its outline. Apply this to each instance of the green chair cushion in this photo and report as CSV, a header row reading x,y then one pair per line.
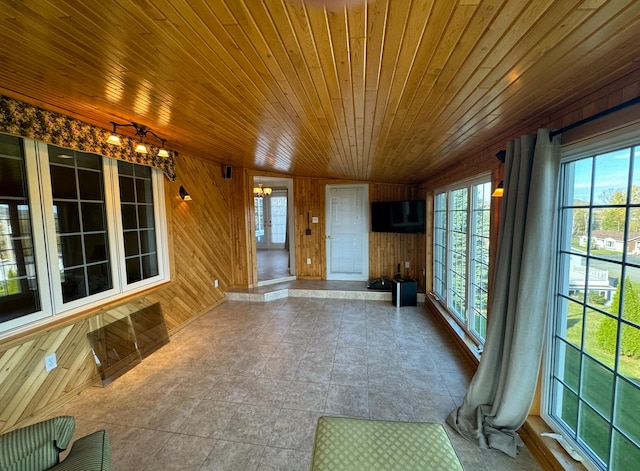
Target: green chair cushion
x,y
343,444
36,447
90,453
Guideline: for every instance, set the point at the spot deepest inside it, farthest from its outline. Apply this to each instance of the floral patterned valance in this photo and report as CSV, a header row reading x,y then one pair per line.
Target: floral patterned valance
x,y
22,119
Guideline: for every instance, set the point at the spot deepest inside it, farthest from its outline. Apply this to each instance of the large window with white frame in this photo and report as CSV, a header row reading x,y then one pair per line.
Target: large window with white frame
x,y
461,252
75,229
593,367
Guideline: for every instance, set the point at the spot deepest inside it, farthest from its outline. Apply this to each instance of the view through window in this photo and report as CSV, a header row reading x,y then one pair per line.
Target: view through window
x,y
595,369
461,252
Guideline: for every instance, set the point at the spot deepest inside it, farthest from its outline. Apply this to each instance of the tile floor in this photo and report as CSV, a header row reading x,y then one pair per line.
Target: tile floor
x,y
272,264
241,388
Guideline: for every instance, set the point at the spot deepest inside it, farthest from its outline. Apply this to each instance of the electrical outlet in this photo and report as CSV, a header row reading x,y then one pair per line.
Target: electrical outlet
x,y
314,220
407,264
308,261
50,362
215,283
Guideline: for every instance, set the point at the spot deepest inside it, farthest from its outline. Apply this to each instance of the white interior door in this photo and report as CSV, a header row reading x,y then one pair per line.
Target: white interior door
x,y
347,222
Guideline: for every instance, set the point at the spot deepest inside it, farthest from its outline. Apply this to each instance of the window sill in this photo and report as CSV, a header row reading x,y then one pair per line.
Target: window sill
x,y
468,344
547,451
20,334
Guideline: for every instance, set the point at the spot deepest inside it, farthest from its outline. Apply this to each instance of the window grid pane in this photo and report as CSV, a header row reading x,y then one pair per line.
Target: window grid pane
x,y
458,252
19,293
480,219
79,210
138,221
440,241
259,218
461,230
68,225
278,219
596,354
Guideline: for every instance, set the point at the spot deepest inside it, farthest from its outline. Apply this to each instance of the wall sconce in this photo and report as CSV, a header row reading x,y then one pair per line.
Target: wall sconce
x,y
184,195
141,132
499,191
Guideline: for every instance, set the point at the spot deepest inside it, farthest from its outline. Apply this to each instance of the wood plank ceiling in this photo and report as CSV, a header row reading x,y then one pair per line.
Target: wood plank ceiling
x,y
390,90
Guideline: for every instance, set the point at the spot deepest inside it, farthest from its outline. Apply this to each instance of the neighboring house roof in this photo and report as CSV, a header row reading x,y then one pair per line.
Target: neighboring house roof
x,y
616,235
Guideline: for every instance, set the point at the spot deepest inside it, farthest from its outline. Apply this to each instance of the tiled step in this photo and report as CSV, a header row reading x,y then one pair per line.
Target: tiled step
x,y
265,294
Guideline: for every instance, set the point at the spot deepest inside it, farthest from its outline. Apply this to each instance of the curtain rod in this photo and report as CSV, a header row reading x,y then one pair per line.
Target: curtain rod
x,y
621,106
634,101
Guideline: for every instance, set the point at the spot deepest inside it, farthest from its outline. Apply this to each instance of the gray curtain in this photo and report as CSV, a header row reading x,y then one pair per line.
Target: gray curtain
x,y
502,390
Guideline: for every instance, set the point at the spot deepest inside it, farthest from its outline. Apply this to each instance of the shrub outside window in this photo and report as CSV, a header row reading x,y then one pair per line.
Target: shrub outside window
x,y
593,387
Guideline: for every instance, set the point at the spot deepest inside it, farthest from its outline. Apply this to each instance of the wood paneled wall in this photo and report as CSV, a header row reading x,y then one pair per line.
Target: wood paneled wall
x,y
202,247
309,196
387,250
242,229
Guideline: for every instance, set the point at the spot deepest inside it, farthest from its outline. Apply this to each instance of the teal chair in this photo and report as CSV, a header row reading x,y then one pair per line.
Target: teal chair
x,y
37,447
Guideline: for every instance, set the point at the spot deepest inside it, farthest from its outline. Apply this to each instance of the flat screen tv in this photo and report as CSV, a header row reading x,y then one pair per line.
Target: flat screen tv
x,y
398,216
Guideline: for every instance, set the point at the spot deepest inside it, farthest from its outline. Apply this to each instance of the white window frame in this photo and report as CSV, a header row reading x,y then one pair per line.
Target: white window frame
x,y
466,323
45,247
624,137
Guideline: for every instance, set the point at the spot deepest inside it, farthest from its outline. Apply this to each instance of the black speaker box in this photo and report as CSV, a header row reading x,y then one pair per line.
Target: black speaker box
x,y
227,172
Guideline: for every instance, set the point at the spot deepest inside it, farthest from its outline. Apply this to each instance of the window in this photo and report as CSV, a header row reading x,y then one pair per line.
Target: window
x,y
19,294
79,212
94,221
593,386
440,245
138,221
461,252
259,218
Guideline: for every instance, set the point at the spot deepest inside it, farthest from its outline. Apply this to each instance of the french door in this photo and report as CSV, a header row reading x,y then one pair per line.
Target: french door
x,y
271,220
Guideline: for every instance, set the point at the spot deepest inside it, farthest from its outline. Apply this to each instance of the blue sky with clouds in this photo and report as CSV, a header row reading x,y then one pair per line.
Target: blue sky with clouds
x,y
611,173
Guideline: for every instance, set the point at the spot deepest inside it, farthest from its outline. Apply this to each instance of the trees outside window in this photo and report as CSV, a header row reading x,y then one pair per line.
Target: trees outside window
x,y
594,380
461,252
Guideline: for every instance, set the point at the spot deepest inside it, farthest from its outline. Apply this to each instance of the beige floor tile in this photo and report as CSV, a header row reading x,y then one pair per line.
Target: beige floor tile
x,y
241,387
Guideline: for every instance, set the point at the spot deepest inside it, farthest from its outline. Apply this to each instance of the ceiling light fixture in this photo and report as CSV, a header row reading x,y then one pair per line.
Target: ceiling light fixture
x,y
141,148
163,152
113,138
261,192
141,132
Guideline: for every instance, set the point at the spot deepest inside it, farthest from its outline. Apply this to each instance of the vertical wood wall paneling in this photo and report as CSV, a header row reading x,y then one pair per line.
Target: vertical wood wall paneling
x,y
309,195
497,174
428,254
242,228
387,250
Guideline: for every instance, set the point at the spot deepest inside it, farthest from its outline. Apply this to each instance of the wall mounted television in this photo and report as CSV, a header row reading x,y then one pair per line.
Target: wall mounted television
x,y
405,217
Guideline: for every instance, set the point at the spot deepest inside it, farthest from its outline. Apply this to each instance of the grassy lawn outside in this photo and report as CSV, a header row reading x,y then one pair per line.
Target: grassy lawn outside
x,y
628,367
598,391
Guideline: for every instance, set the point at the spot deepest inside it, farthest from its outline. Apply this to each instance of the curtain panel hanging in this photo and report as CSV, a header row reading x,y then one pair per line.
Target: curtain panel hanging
x,y
502,389
25,120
